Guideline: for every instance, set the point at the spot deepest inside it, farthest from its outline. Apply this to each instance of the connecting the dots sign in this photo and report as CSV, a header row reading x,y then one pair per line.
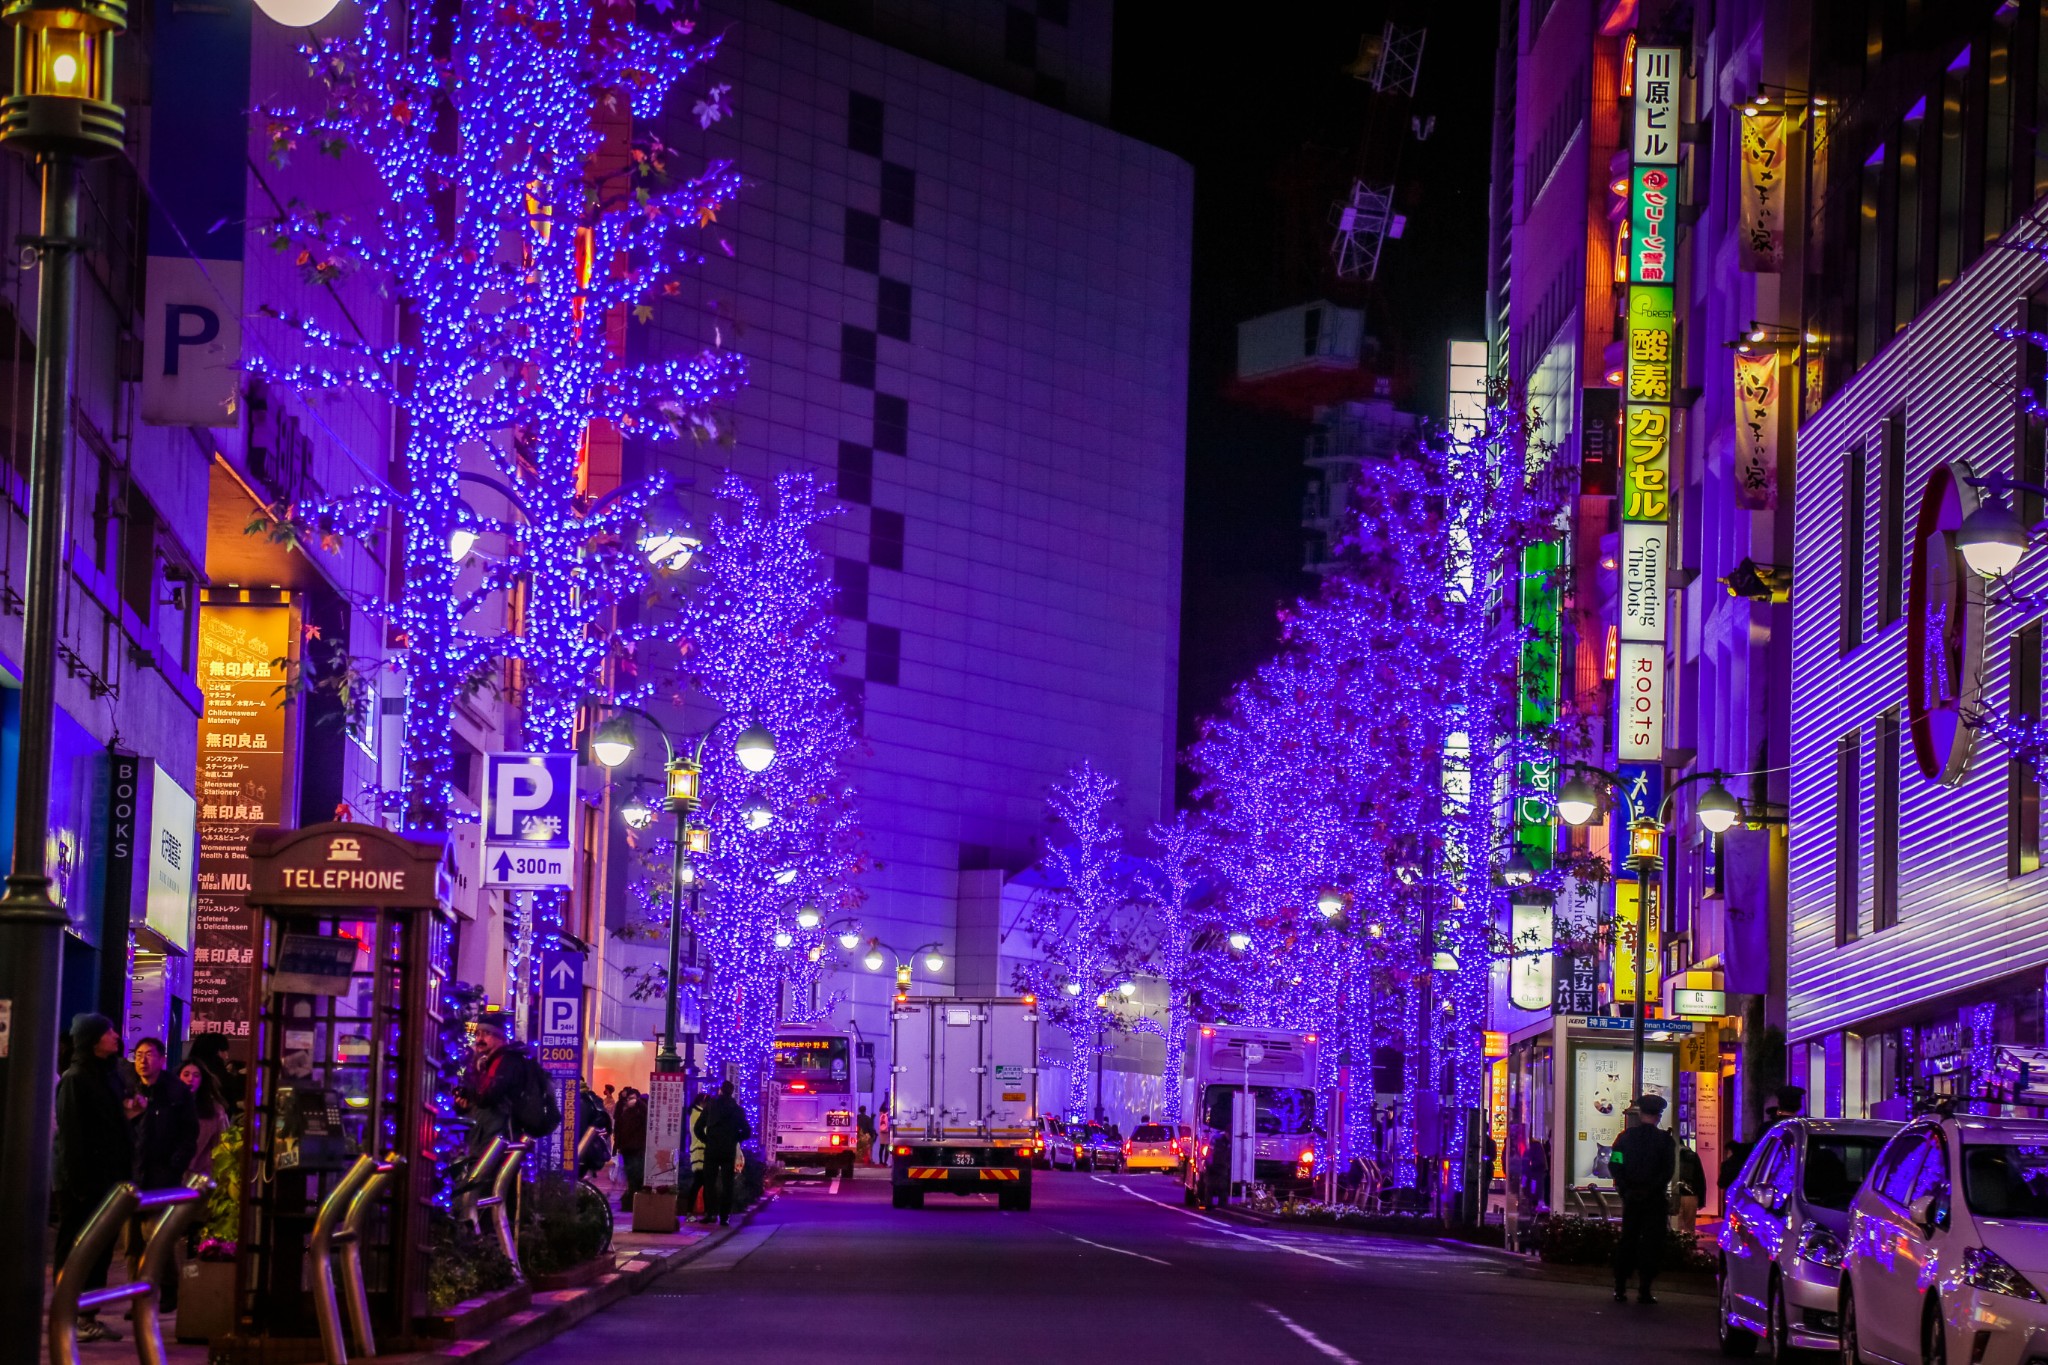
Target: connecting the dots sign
x,y
529,820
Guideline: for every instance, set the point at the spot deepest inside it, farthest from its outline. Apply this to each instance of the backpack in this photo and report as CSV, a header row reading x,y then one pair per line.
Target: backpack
x,y
535,1110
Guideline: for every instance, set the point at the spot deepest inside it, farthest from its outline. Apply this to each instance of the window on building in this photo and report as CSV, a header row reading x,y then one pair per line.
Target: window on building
x,y
2037,145
892,309
863,240
863,123
1873,308
857,356
850,589
856,481
1853,495
139,558
2022,787
1905,215
1020,36
1892,510
2033,431
1885,884
899,194
1996,63
892,424
1848,771
1950,255
885,654
885,539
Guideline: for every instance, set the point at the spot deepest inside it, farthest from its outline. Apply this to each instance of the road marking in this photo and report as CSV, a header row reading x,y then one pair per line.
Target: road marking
x,y
1310,1337
1226,1229
1104,1246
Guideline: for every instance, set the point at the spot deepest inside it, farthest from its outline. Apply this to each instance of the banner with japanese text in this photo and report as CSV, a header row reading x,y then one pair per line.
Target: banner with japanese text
x,y
1756,431
1763,193
1627,918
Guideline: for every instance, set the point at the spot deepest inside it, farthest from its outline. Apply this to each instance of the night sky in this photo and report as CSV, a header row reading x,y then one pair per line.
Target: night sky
x,y
1259,102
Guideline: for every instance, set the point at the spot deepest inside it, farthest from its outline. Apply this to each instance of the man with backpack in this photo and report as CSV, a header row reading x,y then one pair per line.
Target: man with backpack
x,y
721,1128
507,1094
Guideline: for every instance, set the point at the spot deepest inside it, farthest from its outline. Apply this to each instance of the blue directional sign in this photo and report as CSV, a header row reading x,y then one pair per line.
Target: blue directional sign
x,y
529,820
559,1046
1642,791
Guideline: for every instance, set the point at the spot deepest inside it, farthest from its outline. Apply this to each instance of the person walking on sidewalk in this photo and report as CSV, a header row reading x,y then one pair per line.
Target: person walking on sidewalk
x,y
1643,1162
95,1147
696,1144
166,1141
722,1128
865,1131
629,1135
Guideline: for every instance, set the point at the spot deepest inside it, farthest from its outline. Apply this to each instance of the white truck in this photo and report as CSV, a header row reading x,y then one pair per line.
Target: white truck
x,y
1252,1094
963,1098
811,1118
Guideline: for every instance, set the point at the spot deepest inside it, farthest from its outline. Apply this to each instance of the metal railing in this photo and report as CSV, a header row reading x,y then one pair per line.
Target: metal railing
x,y
500,1206
339,1227
180,1204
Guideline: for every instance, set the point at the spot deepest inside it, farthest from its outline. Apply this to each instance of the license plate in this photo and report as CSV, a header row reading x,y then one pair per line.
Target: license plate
x,y
963,1158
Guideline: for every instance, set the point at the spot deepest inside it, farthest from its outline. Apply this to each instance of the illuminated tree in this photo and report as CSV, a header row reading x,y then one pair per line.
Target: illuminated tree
x,y
510,238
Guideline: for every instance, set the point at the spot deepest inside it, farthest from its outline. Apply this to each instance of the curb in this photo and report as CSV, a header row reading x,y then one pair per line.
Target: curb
x,y
556,1312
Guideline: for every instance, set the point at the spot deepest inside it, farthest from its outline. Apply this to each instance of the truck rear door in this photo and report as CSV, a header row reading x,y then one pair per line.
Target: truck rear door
x,y
958,1066
912,1100
1012,1031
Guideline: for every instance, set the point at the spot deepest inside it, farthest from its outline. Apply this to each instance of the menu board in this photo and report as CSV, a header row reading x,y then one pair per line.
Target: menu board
x,y
242,772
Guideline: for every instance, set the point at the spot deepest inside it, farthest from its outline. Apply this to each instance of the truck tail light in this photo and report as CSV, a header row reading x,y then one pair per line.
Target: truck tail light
x,y
902,1151
1127,1146
1308,1157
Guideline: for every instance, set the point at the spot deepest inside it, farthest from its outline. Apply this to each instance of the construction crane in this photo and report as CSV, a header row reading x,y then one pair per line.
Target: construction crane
x,y
1390,63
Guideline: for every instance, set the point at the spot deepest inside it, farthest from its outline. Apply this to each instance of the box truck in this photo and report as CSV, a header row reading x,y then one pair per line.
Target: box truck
x,y
963,1098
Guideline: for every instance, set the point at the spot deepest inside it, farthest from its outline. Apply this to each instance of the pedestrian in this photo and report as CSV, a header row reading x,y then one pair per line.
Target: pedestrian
x,y
1691,1188
95,1147
166,1126
690,1121
865,1134
592,1118
500,1080
212,1112
721,1128
629,1135
209,1051
1643,1162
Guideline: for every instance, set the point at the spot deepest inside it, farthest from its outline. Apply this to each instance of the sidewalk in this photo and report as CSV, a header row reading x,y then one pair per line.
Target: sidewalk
x,y
638,1259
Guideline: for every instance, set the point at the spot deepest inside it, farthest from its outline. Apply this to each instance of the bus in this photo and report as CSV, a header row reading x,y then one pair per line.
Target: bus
x,y
810,1100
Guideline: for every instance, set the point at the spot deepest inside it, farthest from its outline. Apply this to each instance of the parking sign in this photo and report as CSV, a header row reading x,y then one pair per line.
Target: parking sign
x,y
529,820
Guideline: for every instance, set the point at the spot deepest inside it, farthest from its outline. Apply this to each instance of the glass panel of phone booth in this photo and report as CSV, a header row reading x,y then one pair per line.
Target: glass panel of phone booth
x,y
327,1089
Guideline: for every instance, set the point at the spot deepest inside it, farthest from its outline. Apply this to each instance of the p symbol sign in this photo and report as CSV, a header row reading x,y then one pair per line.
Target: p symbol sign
x,y
520,789
561,1015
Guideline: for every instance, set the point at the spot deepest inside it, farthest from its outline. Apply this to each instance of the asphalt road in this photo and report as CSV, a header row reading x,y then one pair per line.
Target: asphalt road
x,y
1113,1269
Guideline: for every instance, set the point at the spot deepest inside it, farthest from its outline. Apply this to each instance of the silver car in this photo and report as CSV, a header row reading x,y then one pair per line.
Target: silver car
x,y
1786,1220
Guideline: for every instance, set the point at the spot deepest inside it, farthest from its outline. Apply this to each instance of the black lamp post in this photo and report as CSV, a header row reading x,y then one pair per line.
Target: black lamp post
x,y
61,112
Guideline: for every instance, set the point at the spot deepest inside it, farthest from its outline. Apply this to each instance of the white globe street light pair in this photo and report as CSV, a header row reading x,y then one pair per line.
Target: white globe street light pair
x,y
1578,801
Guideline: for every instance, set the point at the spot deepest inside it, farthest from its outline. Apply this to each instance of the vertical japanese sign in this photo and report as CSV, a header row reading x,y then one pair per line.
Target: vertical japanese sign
x,y
1639,689
1627,916
560,1048
1656,85
242,772
1763,193
1756,431
1650,199
1536,778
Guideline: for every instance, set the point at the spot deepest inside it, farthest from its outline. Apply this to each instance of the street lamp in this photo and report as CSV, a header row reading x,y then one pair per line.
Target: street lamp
x,y
783,938
1717,811
808,917
1992,538
1127,989
612,743
1330,902
873,961
62,111
1518,870
1239,941
757,814
461,541
755,748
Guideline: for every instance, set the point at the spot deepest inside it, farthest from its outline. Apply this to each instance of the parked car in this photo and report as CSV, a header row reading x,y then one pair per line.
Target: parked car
x,y
1947,1253
1105,1148
1786,1220
1043,1134
1151,1147
1083,1146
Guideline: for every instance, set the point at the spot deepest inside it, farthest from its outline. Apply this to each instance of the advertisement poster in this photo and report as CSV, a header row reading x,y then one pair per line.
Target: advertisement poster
x,y
1763,193
1756,431
664,1126
1601,1079
242,770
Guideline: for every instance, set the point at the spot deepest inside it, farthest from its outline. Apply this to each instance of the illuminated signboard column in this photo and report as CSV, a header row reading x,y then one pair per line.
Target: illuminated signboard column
x,y
243,771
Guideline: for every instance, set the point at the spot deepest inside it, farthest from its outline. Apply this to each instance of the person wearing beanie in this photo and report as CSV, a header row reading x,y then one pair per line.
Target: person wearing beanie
x,y
1644,1160
95,1149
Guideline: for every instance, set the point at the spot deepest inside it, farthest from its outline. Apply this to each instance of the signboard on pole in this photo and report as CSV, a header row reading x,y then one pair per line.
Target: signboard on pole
x,y
529,820
665,1110
559,1047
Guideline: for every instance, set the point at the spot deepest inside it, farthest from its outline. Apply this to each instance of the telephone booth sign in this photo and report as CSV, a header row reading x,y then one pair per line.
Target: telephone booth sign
x,y
354,951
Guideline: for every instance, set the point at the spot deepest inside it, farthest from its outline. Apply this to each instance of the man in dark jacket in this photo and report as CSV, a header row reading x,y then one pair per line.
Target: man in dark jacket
x,y
721,1128
1643,1161
629,1134
95,1148
166,1137
497,1078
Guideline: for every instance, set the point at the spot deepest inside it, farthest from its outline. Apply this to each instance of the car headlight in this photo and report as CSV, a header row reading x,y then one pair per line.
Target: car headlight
x,y
1985,1269
1818,1245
